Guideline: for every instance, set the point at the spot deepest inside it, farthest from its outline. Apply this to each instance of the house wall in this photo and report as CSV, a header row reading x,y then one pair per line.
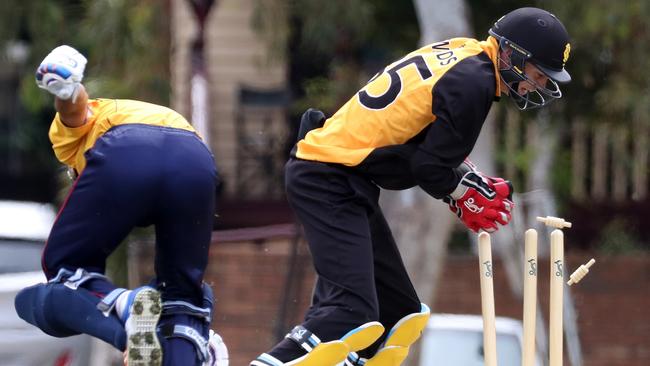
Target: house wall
x,y
235,55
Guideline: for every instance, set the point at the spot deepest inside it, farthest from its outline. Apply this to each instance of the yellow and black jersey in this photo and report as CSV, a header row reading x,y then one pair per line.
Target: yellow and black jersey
x,y
415,121
70,144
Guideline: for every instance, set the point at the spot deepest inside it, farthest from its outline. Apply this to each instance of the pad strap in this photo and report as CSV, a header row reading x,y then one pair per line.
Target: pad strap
x,y
303,337
73,280
184,331
61,276
190,334
109,301
183,307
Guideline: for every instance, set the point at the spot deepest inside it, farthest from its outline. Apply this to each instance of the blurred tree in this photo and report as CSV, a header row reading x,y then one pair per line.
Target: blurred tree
x,y
609,93
334,49
199,89
423,225
609,48
127,46
609,44
25,153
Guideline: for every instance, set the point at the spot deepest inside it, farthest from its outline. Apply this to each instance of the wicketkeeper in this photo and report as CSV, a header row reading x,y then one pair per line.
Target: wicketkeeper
x,y
413,124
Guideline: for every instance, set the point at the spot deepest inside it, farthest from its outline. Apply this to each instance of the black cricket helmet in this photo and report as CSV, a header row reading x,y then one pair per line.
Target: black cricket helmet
x,y
536,36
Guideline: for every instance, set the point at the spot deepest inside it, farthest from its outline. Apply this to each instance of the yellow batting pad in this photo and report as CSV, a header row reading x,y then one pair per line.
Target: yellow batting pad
x,y
325,354
363,336
389,356
408,329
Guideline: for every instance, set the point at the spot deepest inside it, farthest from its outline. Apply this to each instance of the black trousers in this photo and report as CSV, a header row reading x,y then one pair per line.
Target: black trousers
x,y
361,276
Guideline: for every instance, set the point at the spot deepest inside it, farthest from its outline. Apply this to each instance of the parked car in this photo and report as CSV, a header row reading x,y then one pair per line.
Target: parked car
x,y
457,340
24,228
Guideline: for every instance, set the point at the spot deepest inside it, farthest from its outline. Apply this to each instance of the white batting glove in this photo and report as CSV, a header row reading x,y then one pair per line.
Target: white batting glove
x,y
217,351
61,72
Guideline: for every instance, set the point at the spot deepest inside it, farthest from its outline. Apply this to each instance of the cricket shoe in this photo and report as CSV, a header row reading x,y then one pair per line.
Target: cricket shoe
x,y
140,316
330,353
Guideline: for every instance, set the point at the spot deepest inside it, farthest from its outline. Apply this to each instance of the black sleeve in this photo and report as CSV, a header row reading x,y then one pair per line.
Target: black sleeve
x,y
461,100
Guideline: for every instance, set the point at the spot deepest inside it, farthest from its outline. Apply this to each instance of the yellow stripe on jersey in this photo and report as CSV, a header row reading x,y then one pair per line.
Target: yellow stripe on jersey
x,y
393,107
70,144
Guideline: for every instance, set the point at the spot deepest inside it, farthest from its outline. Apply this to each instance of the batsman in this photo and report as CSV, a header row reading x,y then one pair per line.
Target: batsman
x,y
413,124
138,164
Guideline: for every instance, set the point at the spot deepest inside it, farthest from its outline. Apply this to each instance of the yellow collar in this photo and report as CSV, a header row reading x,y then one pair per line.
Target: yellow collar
x,y
491,48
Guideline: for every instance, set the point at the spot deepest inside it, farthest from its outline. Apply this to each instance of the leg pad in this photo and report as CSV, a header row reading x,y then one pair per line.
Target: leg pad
x,y
408,329
363,336
389,356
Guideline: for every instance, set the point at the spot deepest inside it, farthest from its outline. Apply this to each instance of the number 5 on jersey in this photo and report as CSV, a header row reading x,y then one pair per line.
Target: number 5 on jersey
x,y
390,95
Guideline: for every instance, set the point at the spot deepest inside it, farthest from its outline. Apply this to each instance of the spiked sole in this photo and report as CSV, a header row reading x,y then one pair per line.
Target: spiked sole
x,y
143,347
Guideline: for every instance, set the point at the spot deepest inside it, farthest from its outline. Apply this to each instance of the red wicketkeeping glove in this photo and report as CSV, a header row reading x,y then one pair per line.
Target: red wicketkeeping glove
x,y
481,201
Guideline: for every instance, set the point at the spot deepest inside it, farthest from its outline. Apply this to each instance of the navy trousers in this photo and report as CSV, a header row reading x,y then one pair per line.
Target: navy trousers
x,y
361,276
139,175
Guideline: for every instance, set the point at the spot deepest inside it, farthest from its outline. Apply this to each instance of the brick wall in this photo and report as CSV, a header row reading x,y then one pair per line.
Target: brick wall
x,y
249,280
248,276
612,301
235,55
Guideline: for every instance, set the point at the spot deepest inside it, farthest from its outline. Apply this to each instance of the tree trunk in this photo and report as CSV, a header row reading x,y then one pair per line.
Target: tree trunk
x,y
599,164
199,91
640,160
422,225
579,151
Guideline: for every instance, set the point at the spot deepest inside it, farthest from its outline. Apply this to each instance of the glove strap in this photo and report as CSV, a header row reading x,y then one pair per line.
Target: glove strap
x,y
75,93
459,192
463,170
476,181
